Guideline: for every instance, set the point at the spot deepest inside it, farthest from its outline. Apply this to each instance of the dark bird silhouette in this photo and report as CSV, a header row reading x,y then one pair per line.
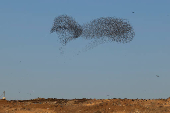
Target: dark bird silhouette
x,y
157,75
133,12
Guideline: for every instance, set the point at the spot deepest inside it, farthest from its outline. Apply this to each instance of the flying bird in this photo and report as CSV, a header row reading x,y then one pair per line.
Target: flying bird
x,y
157,75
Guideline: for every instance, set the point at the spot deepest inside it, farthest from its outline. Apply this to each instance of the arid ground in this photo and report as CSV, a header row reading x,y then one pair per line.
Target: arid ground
x,y
52,105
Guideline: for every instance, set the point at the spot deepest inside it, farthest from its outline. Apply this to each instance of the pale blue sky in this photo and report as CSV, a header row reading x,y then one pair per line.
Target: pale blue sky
x,y
119,70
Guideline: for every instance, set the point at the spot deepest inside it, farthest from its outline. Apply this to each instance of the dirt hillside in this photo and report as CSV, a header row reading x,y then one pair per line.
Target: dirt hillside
x,y
52,105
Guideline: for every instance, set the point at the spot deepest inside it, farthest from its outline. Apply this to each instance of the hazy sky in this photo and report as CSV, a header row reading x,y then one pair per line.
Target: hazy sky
x,y
31,65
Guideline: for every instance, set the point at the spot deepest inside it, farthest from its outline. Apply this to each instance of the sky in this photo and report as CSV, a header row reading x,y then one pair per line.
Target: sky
x,y
32,66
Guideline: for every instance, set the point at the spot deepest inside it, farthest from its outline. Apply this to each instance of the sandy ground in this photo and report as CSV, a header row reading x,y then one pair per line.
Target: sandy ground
x,y
51,105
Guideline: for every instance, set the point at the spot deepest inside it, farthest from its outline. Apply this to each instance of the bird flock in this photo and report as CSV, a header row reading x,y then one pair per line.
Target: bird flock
x,y
101,30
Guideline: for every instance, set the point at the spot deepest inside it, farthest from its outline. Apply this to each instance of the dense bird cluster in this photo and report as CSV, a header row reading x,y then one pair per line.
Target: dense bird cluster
x,y
109,29
67,28
104,29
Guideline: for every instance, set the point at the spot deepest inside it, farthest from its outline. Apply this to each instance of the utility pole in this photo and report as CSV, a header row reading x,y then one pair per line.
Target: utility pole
x,y
4,96
4,93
